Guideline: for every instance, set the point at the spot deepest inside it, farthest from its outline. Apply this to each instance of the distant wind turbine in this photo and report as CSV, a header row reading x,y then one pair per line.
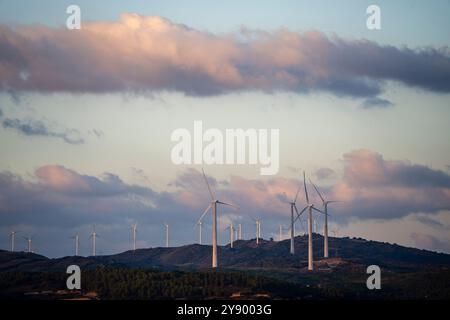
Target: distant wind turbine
x,y
292,229
231,228
258,229
30,243
240,231
12,235
200,223
134,231
77,244
280,230
167,234
213,205
325,204
93,236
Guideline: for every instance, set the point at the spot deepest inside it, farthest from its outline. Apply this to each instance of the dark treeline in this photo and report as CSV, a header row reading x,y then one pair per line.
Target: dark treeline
x,y
111,283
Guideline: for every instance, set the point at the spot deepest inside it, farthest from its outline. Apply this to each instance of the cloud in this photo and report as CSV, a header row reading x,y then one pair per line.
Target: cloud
x,y
97,133
31,127
426,241
373,187
145,54
376,102
324,173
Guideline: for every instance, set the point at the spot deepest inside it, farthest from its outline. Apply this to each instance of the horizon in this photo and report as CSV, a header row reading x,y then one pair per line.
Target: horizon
x,y
286,239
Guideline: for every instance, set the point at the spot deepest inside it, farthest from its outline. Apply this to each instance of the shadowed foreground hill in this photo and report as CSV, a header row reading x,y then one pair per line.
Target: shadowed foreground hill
x,y
245,255
246,272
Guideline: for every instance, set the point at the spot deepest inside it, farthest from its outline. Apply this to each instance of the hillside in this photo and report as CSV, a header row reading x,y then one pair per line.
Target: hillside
x,y
246,271
246,255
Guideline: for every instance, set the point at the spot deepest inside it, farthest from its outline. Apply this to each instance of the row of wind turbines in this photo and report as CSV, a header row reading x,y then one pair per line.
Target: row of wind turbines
x,y
234,233
310,208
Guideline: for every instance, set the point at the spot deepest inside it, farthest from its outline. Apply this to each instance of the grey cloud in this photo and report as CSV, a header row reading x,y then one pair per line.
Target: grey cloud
x,y
376,102
191,179
324,173
97,133
31,127
429,221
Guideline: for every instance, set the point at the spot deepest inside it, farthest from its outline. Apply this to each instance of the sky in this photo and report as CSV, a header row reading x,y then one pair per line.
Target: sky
x,y
86,118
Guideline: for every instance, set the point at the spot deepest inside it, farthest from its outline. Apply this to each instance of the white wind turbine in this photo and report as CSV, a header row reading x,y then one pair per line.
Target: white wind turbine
x,y
231,228
310,208
30,243
292,229
213,205
258,229
240,231
77,244
200,224
325,204
134,232
167,234
280,232
12,235
94,236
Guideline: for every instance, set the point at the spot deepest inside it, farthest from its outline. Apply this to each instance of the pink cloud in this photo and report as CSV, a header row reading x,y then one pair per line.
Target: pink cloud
x,y
373,187
426,241
139,53
62,179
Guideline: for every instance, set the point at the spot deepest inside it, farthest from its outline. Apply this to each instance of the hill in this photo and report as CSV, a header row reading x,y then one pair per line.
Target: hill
x,y
246,271
345,252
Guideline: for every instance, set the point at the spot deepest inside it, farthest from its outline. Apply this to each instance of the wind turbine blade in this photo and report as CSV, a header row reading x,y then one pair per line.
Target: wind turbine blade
x,y
228,204
314,208
296,195
203,214
334,201
299,214
317,190
306,190
207,184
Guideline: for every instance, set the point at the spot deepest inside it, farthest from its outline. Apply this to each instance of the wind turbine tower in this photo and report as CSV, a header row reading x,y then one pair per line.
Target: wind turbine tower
x,y
30,243
94,236
167,234
292,229
134,231
310,222
77,244
258,229
13,239
200,232
213,206
240,231
325,204
231,227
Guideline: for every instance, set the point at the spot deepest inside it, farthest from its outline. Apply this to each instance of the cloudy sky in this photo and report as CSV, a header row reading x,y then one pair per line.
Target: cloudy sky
x,y
86,118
